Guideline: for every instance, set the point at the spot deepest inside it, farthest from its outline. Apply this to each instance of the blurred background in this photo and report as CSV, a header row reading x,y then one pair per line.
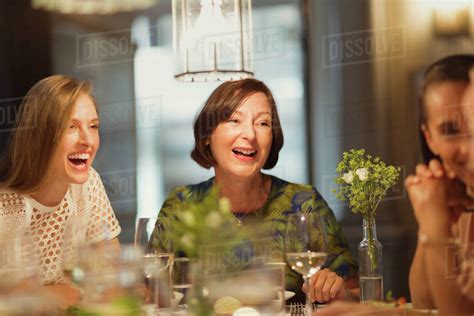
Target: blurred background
x,y
331,96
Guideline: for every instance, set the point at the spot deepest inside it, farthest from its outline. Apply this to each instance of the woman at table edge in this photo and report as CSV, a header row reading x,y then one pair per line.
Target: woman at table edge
x,y
443,103
47,180
238,133
440,200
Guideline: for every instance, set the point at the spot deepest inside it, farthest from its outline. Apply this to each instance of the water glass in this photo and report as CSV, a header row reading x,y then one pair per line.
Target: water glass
x,y
157,265
257,290
18,264
111,278
180,272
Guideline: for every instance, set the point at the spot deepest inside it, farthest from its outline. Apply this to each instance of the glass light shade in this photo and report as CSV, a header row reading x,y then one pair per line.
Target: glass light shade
x,y
91,6
212,39
451,18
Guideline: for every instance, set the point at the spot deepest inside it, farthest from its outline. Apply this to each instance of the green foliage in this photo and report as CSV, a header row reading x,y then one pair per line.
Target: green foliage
x,y
363,181
72,311
126,305
205,230
196,226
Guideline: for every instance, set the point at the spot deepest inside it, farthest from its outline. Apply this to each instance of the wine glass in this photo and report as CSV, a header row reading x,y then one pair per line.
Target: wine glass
x,y
157,260
306,246
110,275
73,241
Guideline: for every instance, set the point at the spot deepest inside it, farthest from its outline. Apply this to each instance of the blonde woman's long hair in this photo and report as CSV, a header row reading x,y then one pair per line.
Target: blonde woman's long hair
x,y
43,117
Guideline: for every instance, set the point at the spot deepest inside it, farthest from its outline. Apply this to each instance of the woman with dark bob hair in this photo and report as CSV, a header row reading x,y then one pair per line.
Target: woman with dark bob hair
x,y
238,133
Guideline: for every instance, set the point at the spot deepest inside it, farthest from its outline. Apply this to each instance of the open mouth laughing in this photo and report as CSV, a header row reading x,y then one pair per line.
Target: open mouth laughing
x,y
244,153
79,160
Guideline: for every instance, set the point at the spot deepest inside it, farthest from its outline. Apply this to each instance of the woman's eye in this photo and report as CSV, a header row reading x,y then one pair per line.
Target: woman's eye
x,y
72,126
450,129
233,120
264,123
95,126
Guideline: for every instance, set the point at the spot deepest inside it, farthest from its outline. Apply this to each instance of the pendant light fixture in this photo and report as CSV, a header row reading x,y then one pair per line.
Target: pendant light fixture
x,y
212,39
91,6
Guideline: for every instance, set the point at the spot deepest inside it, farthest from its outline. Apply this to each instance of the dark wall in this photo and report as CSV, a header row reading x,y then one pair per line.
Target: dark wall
x,y
112,78
35,44
348,109
24,57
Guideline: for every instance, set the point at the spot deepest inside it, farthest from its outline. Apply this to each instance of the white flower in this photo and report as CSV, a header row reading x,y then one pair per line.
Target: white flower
x,y
362,173
188,218
348,177
187,240
213,219
224,205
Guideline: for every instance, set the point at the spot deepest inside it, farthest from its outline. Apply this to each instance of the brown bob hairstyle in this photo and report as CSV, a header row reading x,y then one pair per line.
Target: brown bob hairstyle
x,y
220,106
43,117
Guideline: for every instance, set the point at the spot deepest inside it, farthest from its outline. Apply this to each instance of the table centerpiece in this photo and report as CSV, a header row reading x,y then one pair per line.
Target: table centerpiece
x,y
364,181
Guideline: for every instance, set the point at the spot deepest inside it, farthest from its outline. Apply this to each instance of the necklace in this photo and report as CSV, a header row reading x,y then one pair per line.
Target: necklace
x,y
239,217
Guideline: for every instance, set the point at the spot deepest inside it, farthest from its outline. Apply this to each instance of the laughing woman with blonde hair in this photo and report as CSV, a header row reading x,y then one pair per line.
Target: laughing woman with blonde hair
x,y
47,182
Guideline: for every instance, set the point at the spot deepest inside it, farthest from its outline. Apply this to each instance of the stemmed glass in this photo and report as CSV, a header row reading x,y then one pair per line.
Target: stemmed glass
x,y
157,260
73,241
306,247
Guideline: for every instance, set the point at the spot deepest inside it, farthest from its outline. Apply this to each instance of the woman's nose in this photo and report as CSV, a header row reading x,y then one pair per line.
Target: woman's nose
x,y
85,138
248,131
465,150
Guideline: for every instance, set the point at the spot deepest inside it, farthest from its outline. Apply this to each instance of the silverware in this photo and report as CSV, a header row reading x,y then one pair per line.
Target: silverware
x,y
296,309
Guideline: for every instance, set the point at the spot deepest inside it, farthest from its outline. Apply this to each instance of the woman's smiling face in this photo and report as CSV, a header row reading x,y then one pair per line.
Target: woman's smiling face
x,y
468,111
79,143
241,145
446,129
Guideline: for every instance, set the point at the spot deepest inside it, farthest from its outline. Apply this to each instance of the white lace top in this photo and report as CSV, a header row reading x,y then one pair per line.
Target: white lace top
x,y
85,209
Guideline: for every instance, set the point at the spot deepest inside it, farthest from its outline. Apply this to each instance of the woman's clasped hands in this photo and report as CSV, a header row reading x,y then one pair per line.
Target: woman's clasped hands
x,y
437,198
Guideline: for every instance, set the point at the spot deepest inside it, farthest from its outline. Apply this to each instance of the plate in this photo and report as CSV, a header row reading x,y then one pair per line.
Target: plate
x,y
289,294
177,298
279,303
150,309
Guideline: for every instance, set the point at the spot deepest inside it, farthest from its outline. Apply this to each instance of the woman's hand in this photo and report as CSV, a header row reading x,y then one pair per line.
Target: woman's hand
x,y
325,286
437,200
428,196
65,295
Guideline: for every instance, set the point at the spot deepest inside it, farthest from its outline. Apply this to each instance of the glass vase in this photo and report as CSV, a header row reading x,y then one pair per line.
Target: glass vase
x,y
198,300
370,263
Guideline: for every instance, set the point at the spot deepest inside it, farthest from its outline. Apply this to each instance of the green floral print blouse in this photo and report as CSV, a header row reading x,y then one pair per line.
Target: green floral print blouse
x,y
269,223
